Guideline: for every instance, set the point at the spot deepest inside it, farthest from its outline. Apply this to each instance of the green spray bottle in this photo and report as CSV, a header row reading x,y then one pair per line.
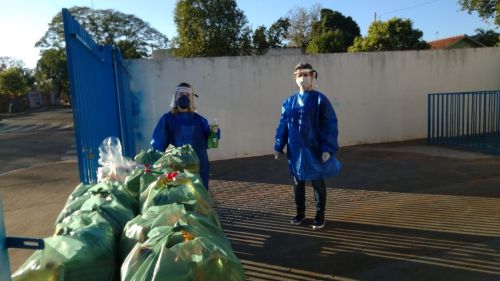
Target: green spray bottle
x,y
213,140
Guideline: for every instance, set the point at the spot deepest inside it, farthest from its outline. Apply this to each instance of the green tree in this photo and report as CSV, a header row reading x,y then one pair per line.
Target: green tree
x,y
51,72
8,62
29,76
489,38
328,42
13,82
301,25
136,37
208,28
487,9
277,33
332,33
260,41
130,51
394,34
246,43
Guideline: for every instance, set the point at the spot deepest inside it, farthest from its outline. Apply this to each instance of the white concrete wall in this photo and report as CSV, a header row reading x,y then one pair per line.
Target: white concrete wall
x,y
378,97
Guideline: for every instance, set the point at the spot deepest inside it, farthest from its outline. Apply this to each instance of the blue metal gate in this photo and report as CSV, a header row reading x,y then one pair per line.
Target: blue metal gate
x,y
470,120
100,96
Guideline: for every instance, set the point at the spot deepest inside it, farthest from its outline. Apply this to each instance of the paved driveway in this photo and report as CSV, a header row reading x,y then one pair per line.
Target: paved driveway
x,y
399,211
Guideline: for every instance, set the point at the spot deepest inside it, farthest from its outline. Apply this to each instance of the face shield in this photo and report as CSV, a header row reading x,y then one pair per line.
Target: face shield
x,y
179,98
306,77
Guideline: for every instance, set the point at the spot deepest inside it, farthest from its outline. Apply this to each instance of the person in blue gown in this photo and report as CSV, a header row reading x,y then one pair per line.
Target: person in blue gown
x,y
308,129
182,125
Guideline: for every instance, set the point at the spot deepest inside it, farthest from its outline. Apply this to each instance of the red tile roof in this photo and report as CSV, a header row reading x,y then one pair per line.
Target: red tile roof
x,y
443,43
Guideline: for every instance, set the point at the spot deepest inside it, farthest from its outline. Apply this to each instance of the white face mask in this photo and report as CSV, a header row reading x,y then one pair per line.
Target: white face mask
x,y
303,82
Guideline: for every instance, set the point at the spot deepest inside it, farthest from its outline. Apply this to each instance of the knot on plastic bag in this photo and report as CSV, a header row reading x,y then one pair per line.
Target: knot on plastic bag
x,y
171,176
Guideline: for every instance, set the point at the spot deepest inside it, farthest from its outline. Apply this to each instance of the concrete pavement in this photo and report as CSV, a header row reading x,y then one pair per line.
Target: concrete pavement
x,y
398,211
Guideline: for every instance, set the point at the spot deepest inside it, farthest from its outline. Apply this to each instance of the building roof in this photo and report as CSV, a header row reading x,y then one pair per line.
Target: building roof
x,y
446,43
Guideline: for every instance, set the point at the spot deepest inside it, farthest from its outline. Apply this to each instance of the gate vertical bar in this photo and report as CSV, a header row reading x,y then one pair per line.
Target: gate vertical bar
x,y
93,94
468,119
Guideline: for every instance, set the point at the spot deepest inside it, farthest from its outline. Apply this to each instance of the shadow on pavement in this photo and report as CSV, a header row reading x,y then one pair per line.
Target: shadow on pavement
x,y
388,167
271,249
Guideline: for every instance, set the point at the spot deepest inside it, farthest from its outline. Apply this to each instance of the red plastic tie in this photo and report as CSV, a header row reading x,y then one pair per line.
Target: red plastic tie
x,y
171,176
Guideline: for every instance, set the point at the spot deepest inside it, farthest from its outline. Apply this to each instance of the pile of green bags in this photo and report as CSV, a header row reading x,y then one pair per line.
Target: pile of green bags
x,y
178,235
86,240
158,224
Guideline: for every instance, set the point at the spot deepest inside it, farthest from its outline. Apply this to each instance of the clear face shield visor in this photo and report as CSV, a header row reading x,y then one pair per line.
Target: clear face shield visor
x,y
306,72
183,91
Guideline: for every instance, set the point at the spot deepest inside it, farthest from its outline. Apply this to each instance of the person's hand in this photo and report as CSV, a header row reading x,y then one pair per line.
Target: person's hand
x,y
276,155
325,156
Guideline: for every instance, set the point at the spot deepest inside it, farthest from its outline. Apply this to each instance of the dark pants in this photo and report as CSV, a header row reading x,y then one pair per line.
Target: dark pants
x,y
319,195
204,179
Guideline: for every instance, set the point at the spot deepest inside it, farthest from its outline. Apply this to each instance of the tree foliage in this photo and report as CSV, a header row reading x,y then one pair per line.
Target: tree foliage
x,y
135,37
301,22
209,28
332,33
487,9
246,41
328,42
274,37
489,38
51,72
394,34
259,40
277,34
13,82
8,62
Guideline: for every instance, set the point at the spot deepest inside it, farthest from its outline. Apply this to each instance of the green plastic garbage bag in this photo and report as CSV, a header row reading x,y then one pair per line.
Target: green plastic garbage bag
x,y
80,190
173,214
79,220
140,179
88,253
137,230
179,159
178,253
186,188
72,207
148,157
109,198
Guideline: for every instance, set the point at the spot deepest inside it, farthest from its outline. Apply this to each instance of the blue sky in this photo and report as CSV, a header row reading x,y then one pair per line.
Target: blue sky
x,y
23,22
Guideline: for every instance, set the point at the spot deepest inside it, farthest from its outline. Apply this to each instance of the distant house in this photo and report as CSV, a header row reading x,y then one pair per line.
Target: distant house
x,y
35,99
456,42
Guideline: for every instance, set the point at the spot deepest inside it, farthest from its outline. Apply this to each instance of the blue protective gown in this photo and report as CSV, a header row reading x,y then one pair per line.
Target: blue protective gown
x,y
184,128
308,127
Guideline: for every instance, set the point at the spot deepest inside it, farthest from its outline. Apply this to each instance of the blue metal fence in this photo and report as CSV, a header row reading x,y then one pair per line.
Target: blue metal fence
x,y
124,102
470,120
100,96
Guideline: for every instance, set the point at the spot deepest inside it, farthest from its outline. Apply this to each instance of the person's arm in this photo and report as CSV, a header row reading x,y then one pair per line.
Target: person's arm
x,y
282,130
328,126
205,126
159,140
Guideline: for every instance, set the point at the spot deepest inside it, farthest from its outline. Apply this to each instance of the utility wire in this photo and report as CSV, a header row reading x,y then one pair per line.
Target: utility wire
x,y
410,7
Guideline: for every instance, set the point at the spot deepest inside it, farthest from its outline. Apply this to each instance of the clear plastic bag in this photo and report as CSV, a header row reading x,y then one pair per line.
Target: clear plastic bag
x,y
114,166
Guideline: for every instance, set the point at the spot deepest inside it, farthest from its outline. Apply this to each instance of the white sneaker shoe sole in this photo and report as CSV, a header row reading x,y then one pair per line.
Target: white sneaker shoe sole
x,y
298,223
315,227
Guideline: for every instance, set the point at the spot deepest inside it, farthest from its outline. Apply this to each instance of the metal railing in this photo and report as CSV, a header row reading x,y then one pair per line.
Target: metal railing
x,y
470,120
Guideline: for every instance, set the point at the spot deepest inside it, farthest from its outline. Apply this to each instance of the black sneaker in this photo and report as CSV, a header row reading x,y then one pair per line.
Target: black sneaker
x,y
319,221
298,219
